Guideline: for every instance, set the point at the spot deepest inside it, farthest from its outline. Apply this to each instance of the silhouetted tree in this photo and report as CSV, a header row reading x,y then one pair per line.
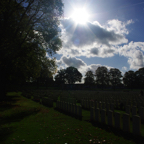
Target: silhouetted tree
x,y
115,77
89,78
102,76
60,78
28,29
48,68
129,79
73,75
140,78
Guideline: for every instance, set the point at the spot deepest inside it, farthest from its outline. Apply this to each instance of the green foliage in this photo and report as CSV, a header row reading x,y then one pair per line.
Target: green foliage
x,y
115,77
28,30
73,75
102,75
140,77
60,77
69,76
89,78
129,78
135,79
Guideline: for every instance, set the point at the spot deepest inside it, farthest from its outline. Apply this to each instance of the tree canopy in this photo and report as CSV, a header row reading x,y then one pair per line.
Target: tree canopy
x,y
102,76
28,29
69,75
60,78
115,77
89,78
129,79
73,75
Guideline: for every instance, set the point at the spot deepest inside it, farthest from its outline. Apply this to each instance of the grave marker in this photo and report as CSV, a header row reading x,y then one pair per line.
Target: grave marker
x,y
136,125
103,116
117,120
110,118
97,115
126,122
92,113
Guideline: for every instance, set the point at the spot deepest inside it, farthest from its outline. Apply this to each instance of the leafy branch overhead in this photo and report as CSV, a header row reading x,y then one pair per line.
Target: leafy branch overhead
x,y
29,30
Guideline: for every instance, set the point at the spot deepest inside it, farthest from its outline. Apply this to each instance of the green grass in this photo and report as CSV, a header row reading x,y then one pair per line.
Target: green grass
x,y
22,119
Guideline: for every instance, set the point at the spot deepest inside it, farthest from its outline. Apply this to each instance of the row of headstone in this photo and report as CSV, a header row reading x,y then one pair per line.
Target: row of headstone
x,y
134,111
101,105
108,97
69,100
116,104
70,108
114,120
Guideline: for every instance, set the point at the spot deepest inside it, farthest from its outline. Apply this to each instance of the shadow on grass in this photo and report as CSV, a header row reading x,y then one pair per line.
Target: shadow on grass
x,y
9,99
8,103
118,132
18,116
5,133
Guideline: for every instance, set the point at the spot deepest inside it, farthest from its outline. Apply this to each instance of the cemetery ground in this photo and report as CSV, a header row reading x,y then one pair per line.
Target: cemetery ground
x,y
25,121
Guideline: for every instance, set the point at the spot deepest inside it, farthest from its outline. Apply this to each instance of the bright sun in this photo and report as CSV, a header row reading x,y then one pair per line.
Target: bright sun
x,y
80,16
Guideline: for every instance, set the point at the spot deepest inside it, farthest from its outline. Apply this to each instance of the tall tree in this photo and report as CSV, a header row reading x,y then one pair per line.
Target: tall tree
x,y
48,68
140,78
60,78
28,29
73,75
115,77
102,76
129,79
89,78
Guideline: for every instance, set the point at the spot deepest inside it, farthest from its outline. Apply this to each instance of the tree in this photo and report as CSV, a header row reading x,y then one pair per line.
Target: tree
x,y
73,75
129,79
48,68
102,76
21,17
140,78
60,78
28,29
115,77
68,76
89,78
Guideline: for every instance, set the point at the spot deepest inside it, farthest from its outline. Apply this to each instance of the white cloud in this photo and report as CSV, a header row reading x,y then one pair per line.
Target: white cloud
x,y
93,39
85,35
72,61
134,52
96,40
117,26
124,68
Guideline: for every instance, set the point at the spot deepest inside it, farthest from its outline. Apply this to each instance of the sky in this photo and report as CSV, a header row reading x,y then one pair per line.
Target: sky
x,y
107,33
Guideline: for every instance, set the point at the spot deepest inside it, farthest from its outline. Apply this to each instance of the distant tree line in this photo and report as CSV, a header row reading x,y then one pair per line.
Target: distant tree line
x,y
102,77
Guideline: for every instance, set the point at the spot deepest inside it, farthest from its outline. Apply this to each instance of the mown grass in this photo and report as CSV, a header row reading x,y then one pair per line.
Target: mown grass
x,y
25,121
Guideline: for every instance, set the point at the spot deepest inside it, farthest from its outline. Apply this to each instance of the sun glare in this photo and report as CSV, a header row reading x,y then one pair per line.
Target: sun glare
x,y
80,16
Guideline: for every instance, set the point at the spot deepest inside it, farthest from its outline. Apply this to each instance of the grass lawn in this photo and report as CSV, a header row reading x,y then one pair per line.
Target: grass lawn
x,y
25,121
